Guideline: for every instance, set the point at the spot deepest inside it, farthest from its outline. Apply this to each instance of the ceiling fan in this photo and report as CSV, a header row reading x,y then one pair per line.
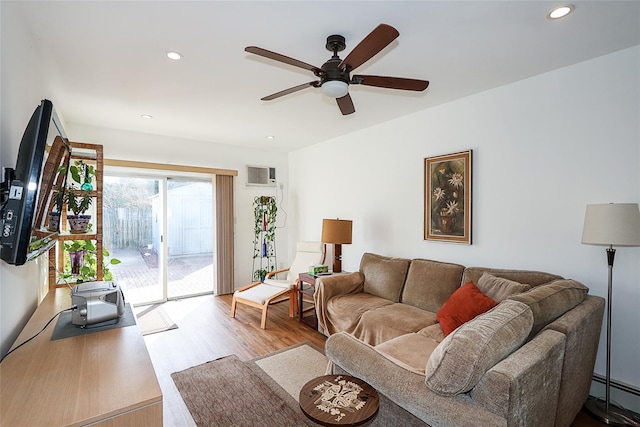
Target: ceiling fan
x,y
334,74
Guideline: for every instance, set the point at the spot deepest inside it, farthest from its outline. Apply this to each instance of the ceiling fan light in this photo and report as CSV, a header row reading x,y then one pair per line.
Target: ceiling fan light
x,y
335,88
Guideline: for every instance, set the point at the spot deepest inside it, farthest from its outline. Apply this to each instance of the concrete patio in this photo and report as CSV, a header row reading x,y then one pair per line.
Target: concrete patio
x,y
138,274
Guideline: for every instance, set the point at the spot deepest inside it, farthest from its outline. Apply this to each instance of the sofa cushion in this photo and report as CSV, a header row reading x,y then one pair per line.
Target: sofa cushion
x,y
548,302
461,359
533,278
498,288
344,311
411,351
434,332
463,305
430,283
390,321
384,276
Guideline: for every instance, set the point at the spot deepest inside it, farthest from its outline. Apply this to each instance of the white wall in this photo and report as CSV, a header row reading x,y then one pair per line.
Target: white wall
x,y
123,145
543,149
22,86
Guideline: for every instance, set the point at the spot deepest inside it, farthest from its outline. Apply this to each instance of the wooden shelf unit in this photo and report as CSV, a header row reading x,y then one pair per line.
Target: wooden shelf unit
x,y
91,154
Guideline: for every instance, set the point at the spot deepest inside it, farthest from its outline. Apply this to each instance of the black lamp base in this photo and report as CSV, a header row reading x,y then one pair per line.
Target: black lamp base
x,y
616,416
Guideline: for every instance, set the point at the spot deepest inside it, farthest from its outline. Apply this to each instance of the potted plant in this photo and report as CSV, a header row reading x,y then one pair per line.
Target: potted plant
x,y
76,250
79,197
260,274
82,261
82,174
78,202
58,199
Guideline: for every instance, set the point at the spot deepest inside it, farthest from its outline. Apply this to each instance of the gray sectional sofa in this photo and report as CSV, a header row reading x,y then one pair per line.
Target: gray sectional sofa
x,y
528,361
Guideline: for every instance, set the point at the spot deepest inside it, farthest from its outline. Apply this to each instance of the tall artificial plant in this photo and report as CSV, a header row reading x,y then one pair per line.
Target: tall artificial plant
x,y
264,228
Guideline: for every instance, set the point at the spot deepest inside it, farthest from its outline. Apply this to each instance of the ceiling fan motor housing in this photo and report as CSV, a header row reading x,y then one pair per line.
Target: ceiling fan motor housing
x,y
336,43
332,72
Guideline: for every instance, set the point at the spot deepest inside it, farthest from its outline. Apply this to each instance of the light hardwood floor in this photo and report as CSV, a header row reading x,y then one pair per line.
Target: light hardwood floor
x,y
206,332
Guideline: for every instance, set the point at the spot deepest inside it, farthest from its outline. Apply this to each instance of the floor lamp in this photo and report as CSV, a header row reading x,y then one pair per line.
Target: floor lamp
x,y
338,232
608,225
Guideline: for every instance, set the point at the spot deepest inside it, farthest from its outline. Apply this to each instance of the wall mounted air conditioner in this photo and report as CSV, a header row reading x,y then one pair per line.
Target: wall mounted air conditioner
x,y
261,176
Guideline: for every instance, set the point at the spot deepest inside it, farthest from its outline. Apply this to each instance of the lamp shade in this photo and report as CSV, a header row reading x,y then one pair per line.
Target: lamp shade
x,y
337,231
616,224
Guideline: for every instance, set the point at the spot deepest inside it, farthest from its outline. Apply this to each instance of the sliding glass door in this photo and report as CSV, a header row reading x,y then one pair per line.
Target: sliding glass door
x,y
132,236
161,229
190,237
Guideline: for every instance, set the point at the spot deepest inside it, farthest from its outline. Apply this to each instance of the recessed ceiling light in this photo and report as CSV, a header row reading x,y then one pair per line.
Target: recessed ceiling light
x,y
147,116
271,137
174,55
560,12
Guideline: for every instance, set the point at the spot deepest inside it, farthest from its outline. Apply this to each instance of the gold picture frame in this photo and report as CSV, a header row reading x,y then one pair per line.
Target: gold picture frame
x,y
447,198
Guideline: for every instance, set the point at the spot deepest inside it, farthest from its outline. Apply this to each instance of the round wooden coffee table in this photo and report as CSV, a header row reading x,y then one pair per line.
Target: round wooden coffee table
x,y
339,400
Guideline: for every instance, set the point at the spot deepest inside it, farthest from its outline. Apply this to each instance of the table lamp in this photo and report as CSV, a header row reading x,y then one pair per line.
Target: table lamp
x,y
338,232
608,225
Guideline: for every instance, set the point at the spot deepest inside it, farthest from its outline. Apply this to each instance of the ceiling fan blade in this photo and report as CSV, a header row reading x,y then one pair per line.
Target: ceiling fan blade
x,y
346,105
391,82
290,90
377,40
280,58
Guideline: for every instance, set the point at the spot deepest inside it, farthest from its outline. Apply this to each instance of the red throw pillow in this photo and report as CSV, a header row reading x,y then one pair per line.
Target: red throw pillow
x,y
463,305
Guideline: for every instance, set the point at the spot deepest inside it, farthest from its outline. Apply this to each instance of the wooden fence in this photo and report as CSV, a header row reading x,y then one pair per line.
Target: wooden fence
x,y
127,227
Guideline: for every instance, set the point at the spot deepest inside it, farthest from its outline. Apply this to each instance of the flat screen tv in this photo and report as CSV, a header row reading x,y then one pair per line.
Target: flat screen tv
x,y
26,189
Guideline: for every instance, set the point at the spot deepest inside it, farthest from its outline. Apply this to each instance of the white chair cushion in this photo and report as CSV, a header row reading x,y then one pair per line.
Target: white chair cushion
x,y
282,284
307,254
309,247
259,293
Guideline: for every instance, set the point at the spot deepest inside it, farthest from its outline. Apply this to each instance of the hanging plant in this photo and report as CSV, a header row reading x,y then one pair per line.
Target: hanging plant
x,y
265,211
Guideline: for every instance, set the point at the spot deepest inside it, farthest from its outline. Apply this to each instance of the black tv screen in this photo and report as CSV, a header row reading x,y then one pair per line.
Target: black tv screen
x,y
22,239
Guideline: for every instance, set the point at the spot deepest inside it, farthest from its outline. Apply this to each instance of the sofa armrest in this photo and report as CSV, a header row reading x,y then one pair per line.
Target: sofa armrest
x,y
524,387
328,287
405,388
581,326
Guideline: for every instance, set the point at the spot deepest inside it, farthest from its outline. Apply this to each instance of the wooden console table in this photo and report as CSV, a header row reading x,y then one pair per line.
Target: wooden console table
x,y
102,378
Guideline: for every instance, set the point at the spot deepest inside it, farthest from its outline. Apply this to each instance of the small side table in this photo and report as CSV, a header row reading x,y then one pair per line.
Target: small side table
x,y
306,304
339,400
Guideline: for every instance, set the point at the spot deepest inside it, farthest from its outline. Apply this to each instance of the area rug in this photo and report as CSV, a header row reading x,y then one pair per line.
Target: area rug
x,y
293,367
229,392
154,319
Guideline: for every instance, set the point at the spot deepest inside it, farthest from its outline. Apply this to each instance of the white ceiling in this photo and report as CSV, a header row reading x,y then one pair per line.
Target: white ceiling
x,y
110,67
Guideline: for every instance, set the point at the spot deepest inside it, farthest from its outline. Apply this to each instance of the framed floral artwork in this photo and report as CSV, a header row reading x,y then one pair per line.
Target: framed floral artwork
x,y
447,198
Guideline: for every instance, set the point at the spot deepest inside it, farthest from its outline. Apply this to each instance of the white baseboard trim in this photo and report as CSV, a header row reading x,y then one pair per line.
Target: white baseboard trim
x,y
622,394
